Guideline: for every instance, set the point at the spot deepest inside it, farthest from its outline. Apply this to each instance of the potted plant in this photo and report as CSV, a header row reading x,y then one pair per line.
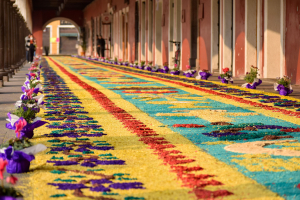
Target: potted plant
x,y
203,74
18,161
226,76
142,65
125,63
25,124
189,73
46,48
136,64
175,70
116,61
165,68
155,68
149,67
132,64
283,86
8,193
251,79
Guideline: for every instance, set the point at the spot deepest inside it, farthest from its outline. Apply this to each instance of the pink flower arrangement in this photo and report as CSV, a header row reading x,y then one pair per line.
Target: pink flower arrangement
x,y
29,93
188,67
32,68
225,70
3,164
11,179
19,126
33,74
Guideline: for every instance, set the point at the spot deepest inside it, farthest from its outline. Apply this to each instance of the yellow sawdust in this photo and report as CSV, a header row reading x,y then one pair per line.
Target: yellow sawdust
x,y
141,163
294,144
209,115
242,186
264,162
180,104
171,97
218,142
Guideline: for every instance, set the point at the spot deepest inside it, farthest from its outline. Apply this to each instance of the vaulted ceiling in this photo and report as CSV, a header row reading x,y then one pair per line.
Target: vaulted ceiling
x,y
55,4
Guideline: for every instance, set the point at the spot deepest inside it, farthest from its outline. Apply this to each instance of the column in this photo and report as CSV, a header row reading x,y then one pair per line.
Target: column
x,y
8,30
2,71
13,39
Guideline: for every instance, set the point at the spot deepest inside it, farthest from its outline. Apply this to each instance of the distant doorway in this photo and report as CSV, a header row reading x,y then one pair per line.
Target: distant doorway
x,y
61,36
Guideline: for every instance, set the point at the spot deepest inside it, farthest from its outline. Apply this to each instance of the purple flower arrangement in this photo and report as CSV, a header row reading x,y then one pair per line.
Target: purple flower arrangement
x,y
283,86
165,69
155,68
253,85
203,75
226,76
19,152
251,79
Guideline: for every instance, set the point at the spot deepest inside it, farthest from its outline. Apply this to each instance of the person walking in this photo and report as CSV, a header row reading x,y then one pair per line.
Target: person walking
x,y
31,48
26,48
102,46
98,45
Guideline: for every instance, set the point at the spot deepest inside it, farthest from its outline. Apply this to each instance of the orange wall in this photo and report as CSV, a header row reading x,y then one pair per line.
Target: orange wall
x,y
55,44
165,32
292,42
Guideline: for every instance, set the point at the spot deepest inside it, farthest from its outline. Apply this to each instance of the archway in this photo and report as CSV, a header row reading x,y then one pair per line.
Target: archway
x,y
61,36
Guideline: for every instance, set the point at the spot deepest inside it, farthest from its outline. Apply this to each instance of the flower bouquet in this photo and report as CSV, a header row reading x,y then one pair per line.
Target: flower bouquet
x,y
203,74
115,61
165,68
251,79
120,62
175,70
226,77
23,125
8,193
283,86
125,63
149,67
136,64
142,65
19,161
155,68
189,73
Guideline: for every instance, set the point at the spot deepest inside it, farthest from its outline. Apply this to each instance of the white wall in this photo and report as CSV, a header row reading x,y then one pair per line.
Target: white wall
x,y
250,34
272,41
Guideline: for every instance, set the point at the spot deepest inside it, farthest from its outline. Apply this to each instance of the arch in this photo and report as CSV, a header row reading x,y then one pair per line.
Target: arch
x,y
62,18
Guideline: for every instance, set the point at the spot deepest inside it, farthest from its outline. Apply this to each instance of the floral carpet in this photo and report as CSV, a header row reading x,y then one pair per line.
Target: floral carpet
x,y
116,132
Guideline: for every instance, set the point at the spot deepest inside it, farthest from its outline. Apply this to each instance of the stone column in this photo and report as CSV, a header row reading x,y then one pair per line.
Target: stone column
x,y
2,71
8,38
13,39
5,39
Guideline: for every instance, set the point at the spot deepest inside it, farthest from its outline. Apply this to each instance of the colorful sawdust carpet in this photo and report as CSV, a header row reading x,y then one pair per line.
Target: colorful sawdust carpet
x,y
117,132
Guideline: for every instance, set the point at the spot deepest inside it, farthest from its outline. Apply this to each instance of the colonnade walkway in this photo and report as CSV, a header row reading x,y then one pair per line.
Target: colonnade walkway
x,y
117,132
